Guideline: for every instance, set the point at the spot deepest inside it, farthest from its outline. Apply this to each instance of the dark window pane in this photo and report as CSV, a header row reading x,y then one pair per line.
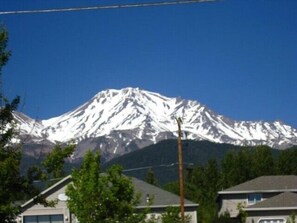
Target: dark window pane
x,y
30,219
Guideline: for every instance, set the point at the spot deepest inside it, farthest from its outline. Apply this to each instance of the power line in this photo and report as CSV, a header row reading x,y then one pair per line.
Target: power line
x,y
101,7
149,167
131,169
156,166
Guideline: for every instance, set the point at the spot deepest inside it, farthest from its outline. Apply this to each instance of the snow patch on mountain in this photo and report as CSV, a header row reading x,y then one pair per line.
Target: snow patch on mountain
x,y
133,118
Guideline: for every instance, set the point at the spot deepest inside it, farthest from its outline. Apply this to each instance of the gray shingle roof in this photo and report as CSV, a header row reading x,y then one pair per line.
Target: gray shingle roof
x,y
161,198
282,201
265,184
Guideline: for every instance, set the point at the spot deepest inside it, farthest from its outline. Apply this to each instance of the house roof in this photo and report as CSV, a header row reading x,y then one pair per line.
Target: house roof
x,y
283,201
160,198
48,191
265,184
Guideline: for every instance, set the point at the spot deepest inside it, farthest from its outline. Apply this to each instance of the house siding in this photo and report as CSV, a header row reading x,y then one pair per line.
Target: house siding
x,y
59,209
229,203
278,198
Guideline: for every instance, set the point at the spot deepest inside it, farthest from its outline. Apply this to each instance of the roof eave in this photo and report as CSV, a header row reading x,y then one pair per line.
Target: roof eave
x,y
165,206
270,209
65,179
256,191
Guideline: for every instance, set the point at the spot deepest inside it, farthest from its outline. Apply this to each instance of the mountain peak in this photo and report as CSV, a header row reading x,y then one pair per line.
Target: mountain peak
x,y
132,118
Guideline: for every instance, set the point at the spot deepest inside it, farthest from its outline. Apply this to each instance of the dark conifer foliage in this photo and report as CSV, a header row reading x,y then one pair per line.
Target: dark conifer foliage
x,y
214,167
17,186
12,184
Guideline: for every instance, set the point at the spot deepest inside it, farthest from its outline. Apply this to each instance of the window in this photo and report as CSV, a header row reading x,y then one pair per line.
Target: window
x,y
281,220
30,219
254,198
57,219
44,219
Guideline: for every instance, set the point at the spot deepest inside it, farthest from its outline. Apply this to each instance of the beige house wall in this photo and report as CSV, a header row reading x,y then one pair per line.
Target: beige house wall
x,y
229,203
60,207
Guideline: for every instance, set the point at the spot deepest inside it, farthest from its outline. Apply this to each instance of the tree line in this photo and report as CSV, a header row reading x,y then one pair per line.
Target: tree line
x,y
203,182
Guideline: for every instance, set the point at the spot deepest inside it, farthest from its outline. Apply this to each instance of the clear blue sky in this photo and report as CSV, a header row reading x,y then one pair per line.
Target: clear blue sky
x,y
238,57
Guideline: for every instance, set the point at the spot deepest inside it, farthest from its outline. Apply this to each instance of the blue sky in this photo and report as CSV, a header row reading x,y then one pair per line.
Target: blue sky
x,y
238,57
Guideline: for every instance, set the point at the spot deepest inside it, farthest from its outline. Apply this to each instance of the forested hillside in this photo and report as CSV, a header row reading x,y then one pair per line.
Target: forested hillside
x,y
208,168
237,166
214,167
162,158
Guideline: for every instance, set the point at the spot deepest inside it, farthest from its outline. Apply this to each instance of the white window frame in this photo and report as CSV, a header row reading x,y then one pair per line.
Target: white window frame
x,y
268,220
254,201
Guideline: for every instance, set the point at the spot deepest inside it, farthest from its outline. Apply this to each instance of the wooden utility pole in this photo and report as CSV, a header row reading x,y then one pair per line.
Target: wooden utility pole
x,y
180,165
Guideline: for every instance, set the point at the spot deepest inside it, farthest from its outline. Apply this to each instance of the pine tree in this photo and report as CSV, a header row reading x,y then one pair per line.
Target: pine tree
x,y
55,160
12,183
150,177
15,187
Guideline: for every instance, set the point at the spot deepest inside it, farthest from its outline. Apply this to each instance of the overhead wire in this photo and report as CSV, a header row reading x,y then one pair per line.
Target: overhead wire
x,y
156,166
131,169
149,167
102,7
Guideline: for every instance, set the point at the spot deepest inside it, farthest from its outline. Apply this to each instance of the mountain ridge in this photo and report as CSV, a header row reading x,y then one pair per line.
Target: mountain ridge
x,y
120,121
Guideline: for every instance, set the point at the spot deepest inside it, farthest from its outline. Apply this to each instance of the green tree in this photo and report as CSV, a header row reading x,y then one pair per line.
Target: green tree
x,y
201,186
242,213
225,218
207,212
173,187
150,177
212,180
236,167
15,187
286,162
262,162
106,197
12,185
172,214
55,160
229,173
292,218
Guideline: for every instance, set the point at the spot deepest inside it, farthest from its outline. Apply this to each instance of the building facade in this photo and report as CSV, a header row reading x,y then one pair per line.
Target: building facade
x,y
159,199
266,199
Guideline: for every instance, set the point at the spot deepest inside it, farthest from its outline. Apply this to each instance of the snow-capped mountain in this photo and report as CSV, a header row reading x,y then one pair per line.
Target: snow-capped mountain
x,y
118,121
